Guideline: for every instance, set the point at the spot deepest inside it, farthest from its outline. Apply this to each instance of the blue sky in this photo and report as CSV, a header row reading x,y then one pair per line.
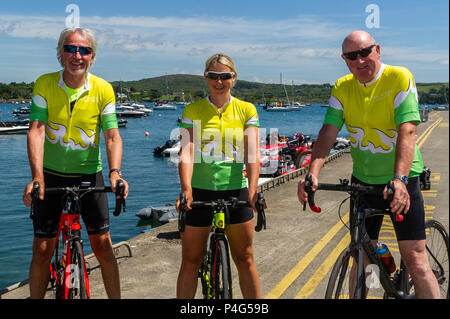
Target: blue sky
x,y
301,39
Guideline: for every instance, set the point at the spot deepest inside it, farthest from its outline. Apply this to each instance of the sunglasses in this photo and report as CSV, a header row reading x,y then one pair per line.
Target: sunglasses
x,y
222,75
74,49
363,53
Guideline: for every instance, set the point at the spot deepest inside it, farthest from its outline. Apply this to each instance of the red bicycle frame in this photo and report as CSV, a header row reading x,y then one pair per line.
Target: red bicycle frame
x,y
68,227
63,273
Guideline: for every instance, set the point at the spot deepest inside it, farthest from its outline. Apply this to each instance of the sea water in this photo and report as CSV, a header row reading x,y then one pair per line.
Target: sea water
x,y
153,180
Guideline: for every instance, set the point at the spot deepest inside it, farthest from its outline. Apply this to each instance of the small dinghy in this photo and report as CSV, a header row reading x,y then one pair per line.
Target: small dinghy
x,y
162,214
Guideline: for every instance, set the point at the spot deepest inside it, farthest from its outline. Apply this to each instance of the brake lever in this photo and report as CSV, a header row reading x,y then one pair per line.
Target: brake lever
x,y
260,206
391,191
308,190
182,213
34,197
120,190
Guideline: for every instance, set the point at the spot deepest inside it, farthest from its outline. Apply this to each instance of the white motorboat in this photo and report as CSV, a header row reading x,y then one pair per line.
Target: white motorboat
x,y
129,113
172,151
126,110
14,127
165,106
278,109
142,108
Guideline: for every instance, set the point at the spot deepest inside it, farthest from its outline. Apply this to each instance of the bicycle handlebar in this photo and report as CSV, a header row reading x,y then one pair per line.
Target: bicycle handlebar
x,y
232,203
345,187
81,190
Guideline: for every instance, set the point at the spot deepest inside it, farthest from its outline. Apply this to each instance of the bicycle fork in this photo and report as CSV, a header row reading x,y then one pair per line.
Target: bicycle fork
x,y
363,243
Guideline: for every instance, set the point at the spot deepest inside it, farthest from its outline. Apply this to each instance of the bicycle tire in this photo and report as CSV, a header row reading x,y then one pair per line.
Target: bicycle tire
x,y
79,287
203,274
300,158
57,272
437,247
340,282
438,257
220,272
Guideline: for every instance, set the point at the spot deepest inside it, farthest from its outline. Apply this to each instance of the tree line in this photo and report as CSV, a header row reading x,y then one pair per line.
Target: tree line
x,y
183,87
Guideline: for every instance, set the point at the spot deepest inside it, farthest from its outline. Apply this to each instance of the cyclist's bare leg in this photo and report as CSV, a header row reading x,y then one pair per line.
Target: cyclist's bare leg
x,y
102,248
39,268
240,237
193,241
416,260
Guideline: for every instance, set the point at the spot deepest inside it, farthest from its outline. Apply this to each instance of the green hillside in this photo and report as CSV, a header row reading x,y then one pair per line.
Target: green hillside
x,y
192,87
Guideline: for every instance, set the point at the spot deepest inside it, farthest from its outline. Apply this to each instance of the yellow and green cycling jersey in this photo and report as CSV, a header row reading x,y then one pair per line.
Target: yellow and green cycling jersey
x,y
219,142
72,135
372,112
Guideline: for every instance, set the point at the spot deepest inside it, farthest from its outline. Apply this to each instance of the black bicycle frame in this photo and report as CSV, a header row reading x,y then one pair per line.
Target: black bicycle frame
x,y
360,239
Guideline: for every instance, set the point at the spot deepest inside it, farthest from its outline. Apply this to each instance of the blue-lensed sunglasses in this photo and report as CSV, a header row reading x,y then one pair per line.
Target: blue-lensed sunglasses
x,y
74,49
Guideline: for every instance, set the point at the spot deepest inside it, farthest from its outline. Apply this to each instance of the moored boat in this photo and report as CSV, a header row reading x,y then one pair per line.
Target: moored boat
x,y
165,107
14,127
162,214
122,122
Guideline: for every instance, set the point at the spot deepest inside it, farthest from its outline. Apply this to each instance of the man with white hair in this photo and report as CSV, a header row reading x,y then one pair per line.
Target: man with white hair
x,y
69,109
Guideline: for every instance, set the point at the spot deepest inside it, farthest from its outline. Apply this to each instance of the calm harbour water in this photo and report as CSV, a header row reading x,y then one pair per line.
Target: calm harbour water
x,y
153,181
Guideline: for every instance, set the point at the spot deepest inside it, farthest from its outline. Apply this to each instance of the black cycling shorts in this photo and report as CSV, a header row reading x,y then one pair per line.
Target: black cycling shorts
x,y
202,217
94,206
413,225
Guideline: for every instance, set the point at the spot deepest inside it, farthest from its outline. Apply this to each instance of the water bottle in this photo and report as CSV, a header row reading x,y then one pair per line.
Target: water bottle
x,y
386,257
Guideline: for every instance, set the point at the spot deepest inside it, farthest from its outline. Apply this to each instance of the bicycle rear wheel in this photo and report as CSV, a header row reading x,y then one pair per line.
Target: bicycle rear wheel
x,y
438,254
79,287
341,284
220,272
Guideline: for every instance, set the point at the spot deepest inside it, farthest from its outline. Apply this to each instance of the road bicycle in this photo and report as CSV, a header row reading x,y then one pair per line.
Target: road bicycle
x,y
348,277
68,271
215,271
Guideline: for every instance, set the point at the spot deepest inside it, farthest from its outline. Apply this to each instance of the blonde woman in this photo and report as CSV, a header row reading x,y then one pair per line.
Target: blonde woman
x,y
220,135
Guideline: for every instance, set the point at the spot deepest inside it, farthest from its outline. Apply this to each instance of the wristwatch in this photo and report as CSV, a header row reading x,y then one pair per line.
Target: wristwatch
x,y
403,178
115,170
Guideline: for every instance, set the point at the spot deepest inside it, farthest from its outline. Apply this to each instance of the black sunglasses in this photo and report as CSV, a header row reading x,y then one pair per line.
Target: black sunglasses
x,y
74,49
363,53
222,75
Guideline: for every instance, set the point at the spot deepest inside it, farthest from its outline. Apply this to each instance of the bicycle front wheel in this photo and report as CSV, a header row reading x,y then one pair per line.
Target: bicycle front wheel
x,y
342,282
78,288
220,275
438,254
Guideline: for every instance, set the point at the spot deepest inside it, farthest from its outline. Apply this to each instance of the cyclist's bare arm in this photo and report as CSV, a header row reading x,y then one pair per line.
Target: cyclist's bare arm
x,y
186,164
404,156
35,148
252,162
113,143
321,150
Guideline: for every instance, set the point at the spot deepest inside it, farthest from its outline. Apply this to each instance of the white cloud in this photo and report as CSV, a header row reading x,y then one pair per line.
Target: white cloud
x,y
188,35
30,26
260,40
305,43
415,54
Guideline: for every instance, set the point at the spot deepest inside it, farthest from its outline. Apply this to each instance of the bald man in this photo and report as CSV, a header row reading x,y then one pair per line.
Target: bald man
x,y
379,105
